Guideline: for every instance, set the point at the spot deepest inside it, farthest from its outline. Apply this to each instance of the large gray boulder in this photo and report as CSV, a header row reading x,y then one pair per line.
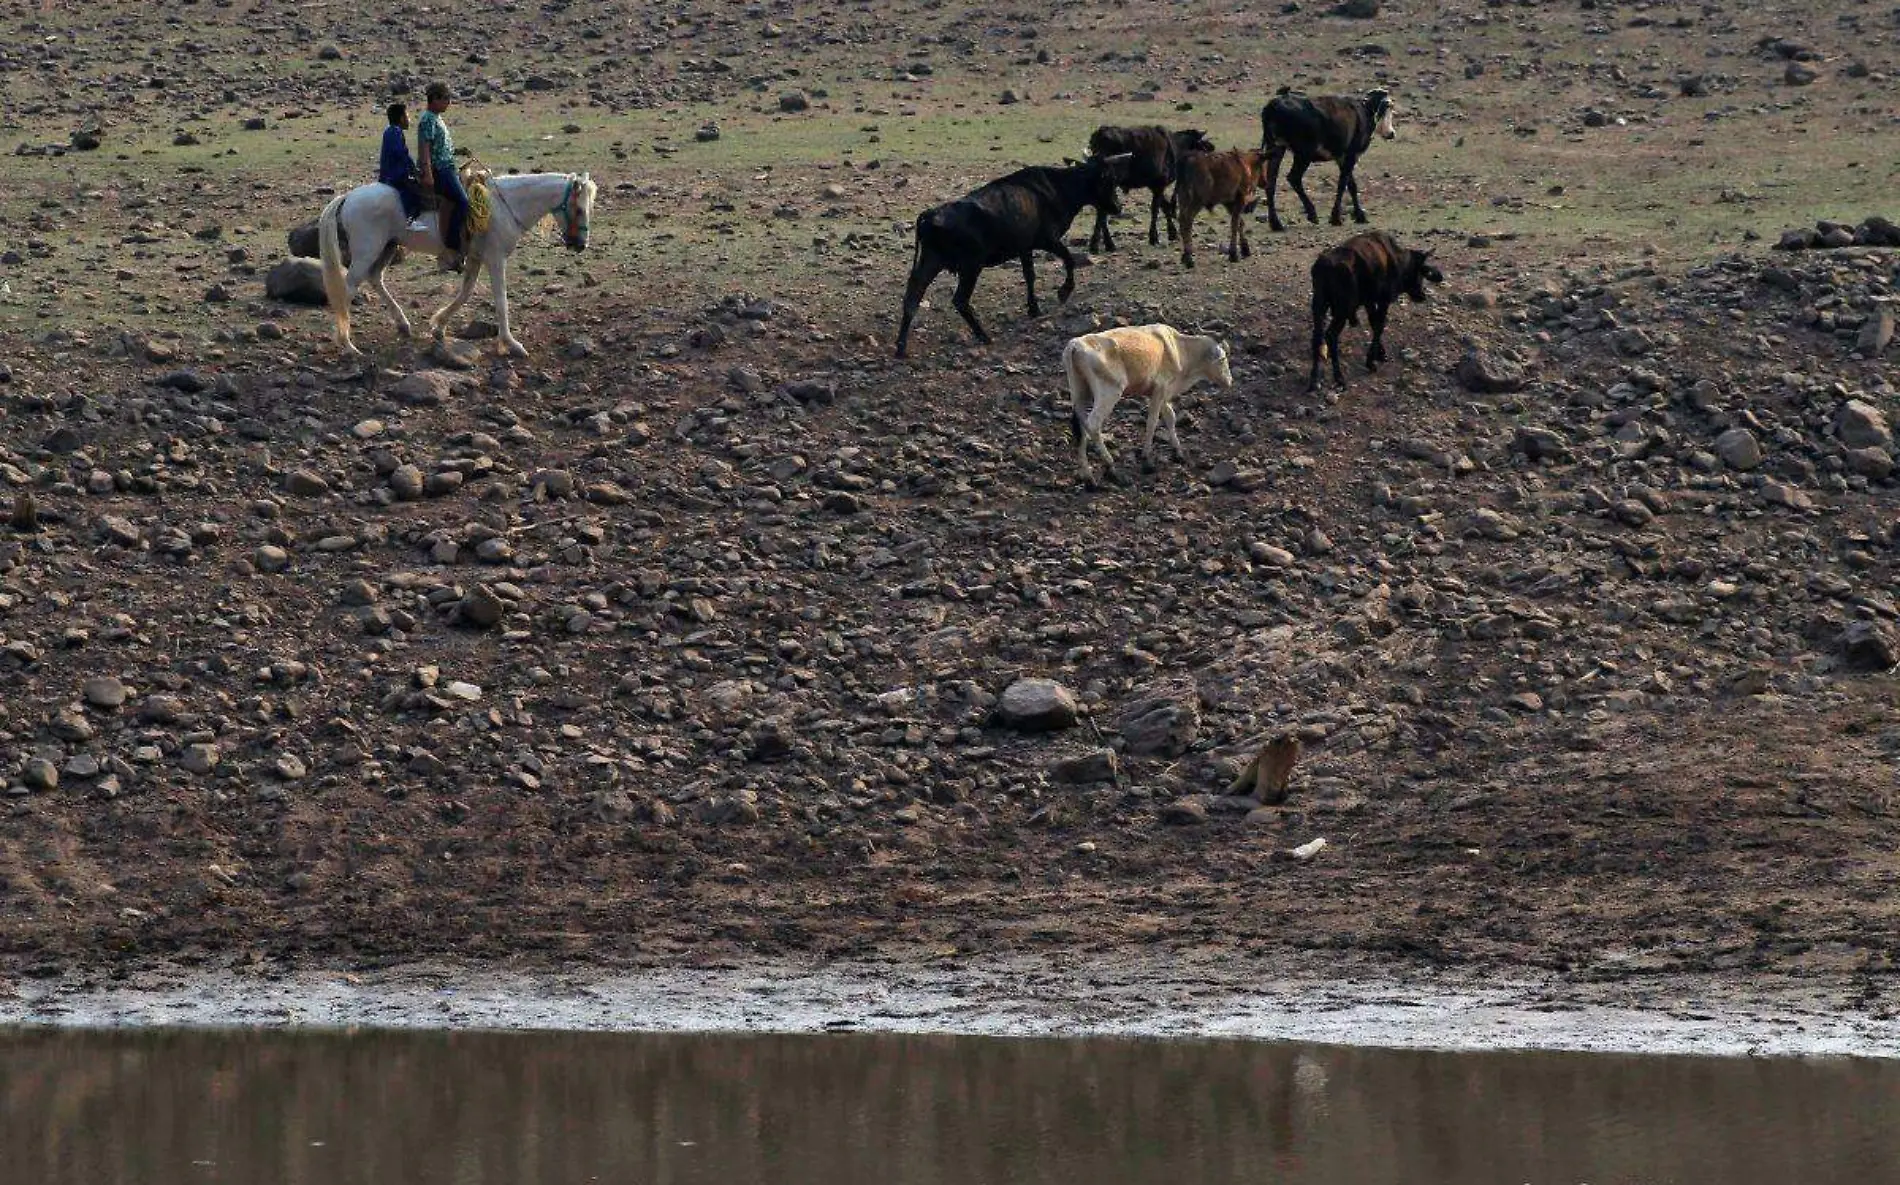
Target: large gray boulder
x,y
296,281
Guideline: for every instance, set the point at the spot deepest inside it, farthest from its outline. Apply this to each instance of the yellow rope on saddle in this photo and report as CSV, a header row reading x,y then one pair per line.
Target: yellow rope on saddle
x,y
478,208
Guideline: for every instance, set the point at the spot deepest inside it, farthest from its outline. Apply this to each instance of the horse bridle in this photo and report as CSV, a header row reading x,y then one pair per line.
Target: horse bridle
x,y
566,210
571,228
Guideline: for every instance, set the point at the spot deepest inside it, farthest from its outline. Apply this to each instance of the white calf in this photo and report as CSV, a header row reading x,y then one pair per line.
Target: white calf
x,y
1152,362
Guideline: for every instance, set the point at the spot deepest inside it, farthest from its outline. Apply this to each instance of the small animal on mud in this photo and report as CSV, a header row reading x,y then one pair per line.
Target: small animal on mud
x,y
1154,156
1368,271
1333,127
1010,219
1153,362
1268,777
1209,179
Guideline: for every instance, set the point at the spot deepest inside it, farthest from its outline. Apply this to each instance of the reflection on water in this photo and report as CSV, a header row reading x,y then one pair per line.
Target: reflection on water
x,y
164,1108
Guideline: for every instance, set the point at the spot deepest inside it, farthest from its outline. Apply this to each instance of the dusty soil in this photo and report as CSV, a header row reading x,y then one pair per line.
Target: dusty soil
x,y
1583,691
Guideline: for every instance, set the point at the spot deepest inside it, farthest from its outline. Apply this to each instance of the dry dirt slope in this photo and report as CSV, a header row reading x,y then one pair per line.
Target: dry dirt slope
x,y
684,637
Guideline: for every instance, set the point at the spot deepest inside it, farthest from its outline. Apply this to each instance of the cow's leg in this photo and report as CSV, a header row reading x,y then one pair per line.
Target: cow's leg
x,y
1155,404
1060,250
1295,177
1339,193
1240,223
1185,214
1320,311
1101,234
1159,211
1273,186
1029,282
1375,317
1336,327
922,273
1174,437
1352,187
1081,411
966,284
1233,232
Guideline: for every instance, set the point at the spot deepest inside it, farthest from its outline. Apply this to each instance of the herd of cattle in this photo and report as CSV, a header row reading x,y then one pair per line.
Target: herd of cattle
x,y
1031,210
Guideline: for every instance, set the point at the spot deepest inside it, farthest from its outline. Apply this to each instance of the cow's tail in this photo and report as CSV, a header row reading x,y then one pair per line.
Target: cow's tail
x,y
336,288
917,242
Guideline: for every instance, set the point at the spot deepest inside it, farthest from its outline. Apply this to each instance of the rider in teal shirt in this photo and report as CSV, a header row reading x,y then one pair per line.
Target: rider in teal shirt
x,y
438,166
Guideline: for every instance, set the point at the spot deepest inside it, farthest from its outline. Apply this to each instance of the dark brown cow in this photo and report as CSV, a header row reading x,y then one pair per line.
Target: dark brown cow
x,y
1153,155
1209,179
1011,218
1370,272
1337,128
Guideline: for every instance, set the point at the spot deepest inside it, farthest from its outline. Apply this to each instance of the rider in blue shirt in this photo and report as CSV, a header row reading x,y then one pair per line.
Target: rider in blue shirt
x,y
398,168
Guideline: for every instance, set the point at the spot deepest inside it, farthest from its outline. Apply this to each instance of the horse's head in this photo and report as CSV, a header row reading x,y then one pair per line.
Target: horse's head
x,y
576,211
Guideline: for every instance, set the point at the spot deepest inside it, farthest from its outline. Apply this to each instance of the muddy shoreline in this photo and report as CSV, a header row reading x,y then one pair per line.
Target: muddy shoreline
x,y
1359,1002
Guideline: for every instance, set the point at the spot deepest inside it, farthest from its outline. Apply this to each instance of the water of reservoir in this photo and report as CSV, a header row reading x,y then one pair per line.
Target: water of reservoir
x,y
456,1108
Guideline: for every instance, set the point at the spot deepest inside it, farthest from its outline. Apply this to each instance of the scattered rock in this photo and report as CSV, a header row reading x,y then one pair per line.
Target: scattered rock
x,y
1485,373
1096,765
104,691
1186,811
1036,705
1166,725
1738,449
296,281
1862,425
1869,646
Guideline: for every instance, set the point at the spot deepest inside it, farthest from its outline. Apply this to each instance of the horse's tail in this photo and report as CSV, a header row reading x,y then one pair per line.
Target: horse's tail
x,y
336,286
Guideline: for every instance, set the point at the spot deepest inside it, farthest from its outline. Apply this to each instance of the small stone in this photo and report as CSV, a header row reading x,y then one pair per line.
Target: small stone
x,y
794,101
104,691
406,482
482,607
305,483
289,767
1777,493
1862,425
1738,449
1875,464
1096,765
1869,646
1036,705
1185,811
1484,373
270,558
1165,725
116,529
1798,74
199,758
40,774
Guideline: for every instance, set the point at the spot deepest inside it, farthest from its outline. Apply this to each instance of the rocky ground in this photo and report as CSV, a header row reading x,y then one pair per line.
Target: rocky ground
x,y
693,634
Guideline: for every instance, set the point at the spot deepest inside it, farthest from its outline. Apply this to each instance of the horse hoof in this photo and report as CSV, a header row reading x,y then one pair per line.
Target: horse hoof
x,y
1361,219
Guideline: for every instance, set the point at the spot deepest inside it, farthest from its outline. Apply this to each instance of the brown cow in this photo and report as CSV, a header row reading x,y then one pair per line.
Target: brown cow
x,y
1208,179
1368,271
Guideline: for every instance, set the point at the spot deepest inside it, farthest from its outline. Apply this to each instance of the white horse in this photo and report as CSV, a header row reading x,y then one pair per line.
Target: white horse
x,y
371,215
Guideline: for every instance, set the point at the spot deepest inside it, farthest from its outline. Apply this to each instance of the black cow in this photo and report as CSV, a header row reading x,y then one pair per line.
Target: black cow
x,y
1010,218
1368,271
1154,154
1335,128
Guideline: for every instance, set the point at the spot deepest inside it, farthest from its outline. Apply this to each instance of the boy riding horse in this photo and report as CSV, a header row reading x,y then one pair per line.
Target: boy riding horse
x,y
398,168
439,175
